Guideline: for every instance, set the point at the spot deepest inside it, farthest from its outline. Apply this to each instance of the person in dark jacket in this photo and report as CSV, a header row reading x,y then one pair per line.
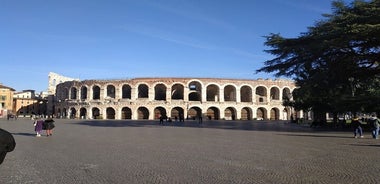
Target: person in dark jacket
x,y
7,144
356,125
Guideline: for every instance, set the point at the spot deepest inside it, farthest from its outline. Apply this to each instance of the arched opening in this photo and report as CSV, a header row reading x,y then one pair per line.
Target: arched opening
x,y
110,113
274,93
96,93
286,95
274,114
96,113
73,113
160,92
126,113
230,113
177,92
176,113
143,113
230,93
213,113
111,92
83,93
246,113
59,113
286,114
160,111
195,91
64,113
143,91
65,93
261,94
83,113
73,93
195,96
126,92
261,114
245,94
212,93
194,113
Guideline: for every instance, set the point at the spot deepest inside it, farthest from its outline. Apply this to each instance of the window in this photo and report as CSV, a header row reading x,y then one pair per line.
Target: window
x,y
3,98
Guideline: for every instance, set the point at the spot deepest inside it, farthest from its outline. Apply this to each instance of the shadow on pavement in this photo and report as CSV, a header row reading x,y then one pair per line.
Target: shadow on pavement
x,y
25,134
327,136
280,126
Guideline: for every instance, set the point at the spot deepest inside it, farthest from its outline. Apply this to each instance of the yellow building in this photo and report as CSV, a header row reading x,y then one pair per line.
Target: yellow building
x,y
6,100
27,104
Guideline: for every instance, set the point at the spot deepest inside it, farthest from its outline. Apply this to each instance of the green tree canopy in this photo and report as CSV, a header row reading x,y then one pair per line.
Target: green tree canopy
x,y
335,63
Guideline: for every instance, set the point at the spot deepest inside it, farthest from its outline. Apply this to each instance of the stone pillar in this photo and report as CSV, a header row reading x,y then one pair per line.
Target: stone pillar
x,y
238,96
186,94
168,94
221,96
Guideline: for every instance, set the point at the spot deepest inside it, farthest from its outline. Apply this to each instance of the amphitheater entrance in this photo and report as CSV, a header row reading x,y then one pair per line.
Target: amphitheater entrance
x,y
274,114
230,113
142,113
158,112
73,113
246,114
64,113
126,113
261,114
194,113
213,113
83,113
110,113
96,113
176,112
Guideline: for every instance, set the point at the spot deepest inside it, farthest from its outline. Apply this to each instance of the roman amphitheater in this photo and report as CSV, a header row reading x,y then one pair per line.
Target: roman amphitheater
x,y
188,98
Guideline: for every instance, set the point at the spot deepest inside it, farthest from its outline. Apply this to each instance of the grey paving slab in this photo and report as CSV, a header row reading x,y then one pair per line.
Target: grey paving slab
x,y
214,152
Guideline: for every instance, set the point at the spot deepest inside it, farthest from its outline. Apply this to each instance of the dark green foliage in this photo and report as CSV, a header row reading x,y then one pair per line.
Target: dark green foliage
x,y
335,63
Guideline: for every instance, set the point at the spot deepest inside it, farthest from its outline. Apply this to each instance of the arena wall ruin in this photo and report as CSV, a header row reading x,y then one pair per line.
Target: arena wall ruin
x,y
189,98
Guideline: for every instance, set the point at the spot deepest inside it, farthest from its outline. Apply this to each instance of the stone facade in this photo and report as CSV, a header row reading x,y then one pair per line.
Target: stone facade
x,y
150,98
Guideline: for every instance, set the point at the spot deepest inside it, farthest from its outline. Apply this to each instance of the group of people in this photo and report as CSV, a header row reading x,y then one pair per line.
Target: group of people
x,y
40,124
374,123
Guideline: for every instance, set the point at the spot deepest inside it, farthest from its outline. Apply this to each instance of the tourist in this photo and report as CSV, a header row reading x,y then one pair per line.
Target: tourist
x,y
356,125
49,125
7,144
38,126
374,122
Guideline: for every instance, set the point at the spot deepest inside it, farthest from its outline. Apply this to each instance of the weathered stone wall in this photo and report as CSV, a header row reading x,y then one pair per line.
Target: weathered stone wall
x,y
150,98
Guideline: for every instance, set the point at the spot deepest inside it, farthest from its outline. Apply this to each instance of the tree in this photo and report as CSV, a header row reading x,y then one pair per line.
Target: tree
x,y
335,63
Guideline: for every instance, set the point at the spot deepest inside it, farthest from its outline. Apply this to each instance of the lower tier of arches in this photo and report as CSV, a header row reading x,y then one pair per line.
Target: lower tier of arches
x,y
175,113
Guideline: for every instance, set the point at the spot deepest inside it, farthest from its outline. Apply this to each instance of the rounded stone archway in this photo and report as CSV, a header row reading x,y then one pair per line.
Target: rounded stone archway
x,y
158,112
213,113
142,113
83,113
110,113
126,113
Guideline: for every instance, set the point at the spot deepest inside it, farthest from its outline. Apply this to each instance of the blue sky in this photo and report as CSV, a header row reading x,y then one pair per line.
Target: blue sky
x,y
117,39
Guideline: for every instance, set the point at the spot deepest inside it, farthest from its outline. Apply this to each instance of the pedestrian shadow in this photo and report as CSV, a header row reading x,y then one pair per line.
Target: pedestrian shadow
x,y
314,135
25,134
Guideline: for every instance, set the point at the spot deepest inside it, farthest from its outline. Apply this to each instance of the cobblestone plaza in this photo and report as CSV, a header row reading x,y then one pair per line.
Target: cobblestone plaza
x,y
115,151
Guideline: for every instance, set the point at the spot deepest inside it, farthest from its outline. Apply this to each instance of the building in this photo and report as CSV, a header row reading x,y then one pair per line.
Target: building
x,y
53,80
27,104
150,98
6,100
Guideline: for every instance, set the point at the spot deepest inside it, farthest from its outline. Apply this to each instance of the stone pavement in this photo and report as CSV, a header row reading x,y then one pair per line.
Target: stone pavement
x,y
97,151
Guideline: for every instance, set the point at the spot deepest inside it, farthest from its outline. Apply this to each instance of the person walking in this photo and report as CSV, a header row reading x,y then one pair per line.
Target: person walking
x,y
375,126
38,126
356,125
49,125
